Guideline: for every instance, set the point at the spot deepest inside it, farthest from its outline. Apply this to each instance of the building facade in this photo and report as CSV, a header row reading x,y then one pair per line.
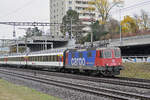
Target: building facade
x,y
58,9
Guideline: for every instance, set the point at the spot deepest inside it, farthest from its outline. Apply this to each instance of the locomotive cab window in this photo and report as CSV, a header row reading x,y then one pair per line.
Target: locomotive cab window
x,y
80,55
89,54
101,54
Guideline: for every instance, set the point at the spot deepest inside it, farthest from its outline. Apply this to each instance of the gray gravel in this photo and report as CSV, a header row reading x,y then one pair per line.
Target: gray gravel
x,y
95,84
67,94
62,93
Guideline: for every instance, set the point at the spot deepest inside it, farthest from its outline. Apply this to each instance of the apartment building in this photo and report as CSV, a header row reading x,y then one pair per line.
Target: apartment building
x,y
58,9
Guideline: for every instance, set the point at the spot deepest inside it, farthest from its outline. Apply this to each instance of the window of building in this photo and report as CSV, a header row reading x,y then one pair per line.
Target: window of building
x,y
70,8
70,2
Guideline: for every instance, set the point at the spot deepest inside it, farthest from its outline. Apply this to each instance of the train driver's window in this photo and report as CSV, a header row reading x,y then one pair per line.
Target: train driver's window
x,y
80,55
101,54
89,54
117,53
108,54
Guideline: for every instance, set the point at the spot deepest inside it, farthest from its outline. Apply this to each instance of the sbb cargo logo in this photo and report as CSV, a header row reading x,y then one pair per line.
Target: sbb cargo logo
x,y
77,61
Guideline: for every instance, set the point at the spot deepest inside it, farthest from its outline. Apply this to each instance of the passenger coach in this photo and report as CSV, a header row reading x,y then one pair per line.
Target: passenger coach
x,y
102,61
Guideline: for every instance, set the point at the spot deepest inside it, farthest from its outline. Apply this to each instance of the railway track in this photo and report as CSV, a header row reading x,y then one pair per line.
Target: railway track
x,y
124,81
99,91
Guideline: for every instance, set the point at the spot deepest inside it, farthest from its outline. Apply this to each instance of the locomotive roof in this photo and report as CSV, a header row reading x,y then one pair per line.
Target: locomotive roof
x,y
94,48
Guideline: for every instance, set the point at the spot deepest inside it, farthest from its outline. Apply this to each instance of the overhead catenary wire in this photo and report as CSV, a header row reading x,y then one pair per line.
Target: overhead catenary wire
x,y
132,7
18,9
136,5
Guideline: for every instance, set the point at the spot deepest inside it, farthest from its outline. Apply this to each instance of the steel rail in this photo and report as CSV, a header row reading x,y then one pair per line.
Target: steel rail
x,y
80,87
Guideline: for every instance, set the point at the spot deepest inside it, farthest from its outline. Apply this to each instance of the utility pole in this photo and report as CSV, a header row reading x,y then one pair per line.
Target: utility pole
x,y
14,31
70,20
14,35
91,30
120,23
71,26
49,16
91,34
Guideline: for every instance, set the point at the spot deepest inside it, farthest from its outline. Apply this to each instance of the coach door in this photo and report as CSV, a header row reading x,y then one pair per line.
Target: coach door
x,y
59,60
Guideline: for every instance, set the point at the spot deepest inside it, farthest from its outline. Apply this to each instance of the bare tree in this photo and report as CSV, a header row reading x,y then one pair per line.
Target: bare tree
x,y
104,7
145,19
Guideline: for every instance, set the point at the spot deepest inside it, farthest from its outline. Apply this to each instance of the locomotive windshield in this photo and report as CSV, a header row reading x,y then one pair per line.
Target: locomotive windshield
x,y
117,53
107,54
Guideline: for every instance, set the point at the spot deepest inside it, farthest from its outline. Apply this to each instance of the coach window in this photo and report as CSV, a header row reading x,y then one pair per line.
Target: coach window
x,y
30,58
80,55
37,58
40,58
43,58
34,58
49,58
21,58
55,57
46,58
52,58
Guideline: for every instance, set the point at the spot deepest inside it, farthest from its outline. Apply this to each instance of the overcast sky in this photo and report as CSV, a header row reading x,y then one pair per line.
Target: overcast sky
x,y
38,10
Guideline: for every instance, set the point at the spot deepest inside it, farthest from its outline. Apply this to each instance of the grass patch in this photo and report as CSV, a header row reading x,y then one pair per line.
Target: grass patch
x,y
136,70
10,91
